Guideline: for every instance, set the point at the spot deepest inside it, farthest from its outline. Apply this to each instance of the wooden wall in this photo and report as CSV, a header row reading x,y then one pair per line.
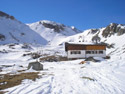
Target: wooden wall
x,y
84,47
95,47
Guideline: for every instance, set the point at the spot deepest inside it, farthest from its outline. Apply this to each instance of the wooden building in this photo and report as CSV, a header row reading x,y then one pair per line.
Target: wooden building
x,y
85,50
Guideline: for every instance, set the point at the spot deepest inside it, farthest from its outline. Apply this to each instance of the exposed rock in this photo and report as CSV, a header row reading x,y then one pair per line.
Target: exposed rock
x,y
26,46
2,14
93,31
108,45
3,51
0,68
35,65
2,37
53,58
34,55
121,32
91,59
40,22
22,34
109,30
56,27
107,57
96,39
112,29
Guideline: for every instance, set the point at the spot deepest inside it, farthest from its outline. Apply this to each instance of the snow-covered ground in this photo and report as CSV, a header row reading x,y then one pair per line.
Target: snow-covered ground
x,y
67,77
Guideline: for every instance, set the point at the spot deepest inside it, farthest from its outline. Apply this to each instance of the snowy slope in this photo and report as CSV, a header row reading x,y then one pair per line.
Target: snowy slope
x,y
105,34
13,31
69,77
53,32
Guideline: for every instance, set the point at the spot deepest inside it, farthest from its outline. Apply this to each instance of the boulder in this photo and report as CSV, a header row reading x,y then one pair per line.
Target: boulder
x,y
91,59
35,65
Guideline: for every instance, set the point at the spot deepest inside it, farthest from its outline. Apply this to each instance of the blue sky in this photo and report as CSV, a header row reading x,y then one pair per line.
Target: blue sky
x,y
83,14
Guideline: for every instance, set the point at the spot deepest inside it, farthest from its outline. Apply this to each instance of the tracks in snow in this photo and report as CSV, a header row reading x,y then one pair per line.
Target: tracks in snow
x,y
66,79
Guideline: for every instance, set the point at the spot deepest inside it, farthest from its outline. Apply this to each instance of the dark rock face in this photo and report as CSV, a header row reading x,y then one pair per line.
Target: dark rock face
x,y
26,46
109,30
112,29
2,37
56,27
2,14
93,31
36,66
108,45
96,39
121,32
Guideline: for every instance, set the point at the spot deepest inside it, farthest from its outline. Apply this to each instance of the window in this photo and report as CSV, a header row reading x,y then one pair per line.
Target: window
x,y
75,52
79,52
100,52
92,52
88,52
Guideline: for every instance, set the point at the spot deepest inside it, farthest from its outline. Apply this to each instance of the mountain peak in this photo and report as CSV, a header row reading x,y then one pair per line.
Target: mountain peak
x,y
50,30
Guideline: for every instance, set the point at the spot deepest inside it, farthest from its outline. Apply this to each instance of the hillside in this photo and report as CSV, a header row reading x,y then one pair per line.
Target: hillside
x,y
103,35
14,31
53,32
65,77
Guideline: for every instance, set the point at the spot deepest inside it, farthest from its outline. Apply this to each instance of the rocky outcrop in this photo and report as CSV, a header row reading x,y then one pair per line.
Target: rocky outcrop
x,y
91,59
56,27
2,37
112,29
2,14
96,39
121,32
93,31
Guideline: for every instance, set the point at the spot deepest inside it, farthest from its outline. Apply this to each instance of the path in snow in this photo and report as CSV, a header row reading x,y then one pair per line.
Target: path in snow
x,y
66,78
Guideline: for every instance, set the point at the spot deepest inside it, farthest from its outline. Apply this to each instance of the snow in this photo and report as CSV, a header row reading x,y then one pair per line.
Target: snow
x,y
54,38
17,32
67,77
64,77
